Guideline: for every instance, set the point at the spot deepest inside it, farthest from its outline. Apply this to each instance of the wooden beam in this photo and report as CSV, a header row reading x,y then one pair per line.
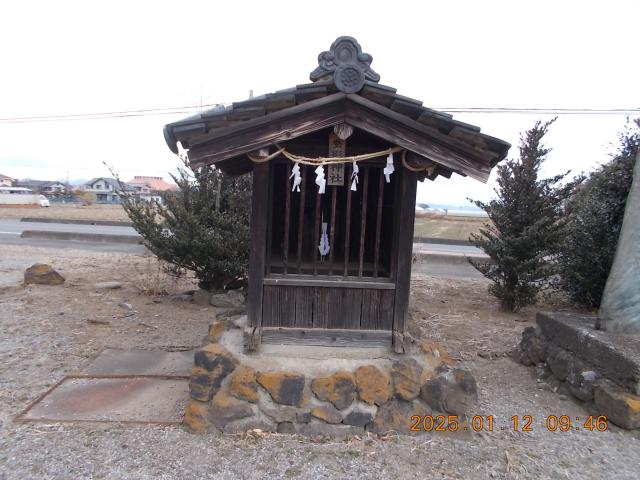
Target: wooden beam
x,y
303,183
259,209
404,132
287,215
327,337
228,142
404,249
363,220
330,282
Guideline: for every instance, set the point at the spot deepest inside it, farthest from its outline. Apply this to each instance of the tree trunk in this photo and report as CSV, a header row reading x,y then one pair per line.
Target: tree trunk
x,y
620,307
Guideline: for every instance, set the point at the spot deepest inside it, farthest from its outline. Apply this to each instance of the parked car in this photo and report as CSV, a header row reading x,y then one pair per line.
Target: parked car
x,y
44,202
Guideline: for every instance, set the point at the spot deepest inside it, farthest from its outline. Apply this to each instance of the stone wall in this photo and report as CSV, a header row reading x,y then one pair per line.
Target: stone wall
x,y
572,358
230,395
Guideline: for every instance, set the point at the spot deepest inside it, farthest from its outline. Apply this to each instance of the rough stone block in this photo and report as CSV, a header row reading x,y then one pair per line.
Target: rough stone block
x,y
616,357
327,413
358,418
285,388
231,299
618,405
453,390
42,274
339,389
243,384
201,386
195,416
224,409
216,330
395,416
374,386
214,356
561,362
286,427
201,297
433,354
406,375
280,413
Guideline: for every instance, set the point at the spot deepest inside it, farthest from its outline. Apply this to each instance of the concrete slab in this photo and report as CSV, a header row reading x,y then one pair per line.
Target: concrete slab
x,y
137,399
141,362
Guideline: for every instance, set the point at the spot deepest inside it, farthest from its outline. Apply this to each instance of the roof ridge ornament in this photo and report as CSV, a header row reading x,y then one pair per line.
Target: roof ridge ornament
x,y
346,63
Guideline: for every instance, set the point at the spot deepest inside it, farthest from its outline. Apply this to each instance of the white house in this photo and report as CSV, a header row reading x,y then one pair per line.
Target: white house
x,y
105,189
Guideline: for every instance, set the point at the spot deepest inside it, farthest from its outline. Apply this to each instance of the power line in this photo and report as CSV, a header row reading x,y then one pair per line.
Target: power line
x,y
195,108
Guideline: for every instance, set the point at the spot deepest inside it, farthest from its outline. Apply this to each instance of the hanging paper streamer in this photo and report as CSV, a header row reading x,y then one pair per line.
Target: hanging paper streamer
x,y
354,177
295,174
320,180
388,170
324,241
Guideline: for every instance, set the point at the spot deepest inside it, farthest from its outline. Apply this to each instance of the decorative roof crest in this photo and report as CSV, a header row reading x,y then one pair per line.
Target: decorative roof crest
x,y
347,64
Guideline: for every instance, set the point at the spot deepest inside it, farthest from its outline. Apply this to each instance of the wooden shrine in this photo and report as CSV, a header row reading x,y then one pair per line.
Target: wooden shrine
x,y
335,167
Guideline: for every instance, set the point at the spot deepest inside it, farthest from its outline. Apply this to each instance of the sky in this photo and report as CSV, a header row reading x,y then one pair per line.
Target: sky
x,y
66,57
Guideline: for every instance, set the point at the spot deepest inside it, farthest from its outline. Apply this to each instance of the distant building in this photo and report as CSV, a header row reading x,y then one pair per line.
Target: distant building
x,y
156,184
105,189
108,190
6,181
45,187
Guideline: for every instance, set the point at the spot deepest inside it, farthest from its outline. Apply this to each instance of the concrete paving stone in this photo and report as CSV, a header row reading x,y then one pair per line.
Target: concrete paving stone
x,y
141,362
114,399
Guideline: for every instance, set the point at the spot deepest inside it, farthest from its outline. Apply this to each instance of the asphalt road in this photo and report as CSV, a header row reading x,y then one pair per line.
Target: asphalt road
x,y
16,227
10,230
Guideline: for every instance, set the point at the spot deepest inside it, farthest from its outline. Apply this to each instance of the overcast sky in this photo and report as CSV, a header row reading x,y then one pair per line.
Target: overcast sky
x,y
85,57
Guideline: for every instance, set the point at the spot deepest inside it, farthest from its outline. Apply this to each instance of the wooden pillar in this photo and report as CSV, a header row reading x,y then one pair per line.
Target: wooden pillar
x,y
405,210
259,216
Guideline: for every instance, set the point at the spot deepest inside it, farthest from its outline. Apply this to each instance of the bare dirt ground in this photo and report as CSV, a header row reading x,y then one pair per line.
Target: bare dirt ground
x,y
75,212
48,332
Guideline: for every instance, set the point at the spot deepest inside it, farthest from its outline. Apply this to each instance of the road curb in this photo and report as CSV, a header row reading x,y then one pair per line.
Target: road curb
x,y
456,259
107,223
86,237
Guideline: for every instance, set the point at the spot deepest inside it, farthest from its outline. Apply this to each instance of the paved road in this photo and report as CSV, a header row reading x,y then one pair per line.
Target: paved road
x,y
16,227
11,229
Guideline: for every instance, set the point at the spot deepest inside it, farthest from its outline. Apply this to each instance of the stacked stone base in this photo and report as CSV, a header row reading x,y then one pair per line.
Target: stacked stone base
x,y
599,369
229,397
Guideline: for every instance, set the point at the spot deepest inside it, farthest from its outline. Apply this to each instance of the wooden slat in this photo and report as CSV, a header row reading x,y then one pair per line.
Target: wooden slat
x,y
376,254
259,209
304,307
387,304
327,337
268,240
351,308
404,249
316,232
332,226
377,309
363,219
320,307
370,315
287,214
347,226
303,183
334,282
279,306
344,308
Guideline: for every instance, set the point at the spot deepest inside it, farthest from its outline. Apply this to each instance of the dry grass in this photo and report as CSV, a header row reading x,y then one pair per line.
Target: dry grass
x,y
75,212
452,227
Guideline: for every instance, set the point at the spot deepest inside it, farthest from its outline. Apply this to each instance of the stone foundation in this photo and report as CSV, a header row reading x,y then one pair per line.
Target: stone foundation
x,y
600,369
319,391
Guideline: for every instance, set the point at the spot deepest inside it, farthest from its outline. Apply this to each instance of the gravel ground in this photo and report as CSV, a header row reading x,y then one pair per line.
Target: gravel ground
x,y
45,334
